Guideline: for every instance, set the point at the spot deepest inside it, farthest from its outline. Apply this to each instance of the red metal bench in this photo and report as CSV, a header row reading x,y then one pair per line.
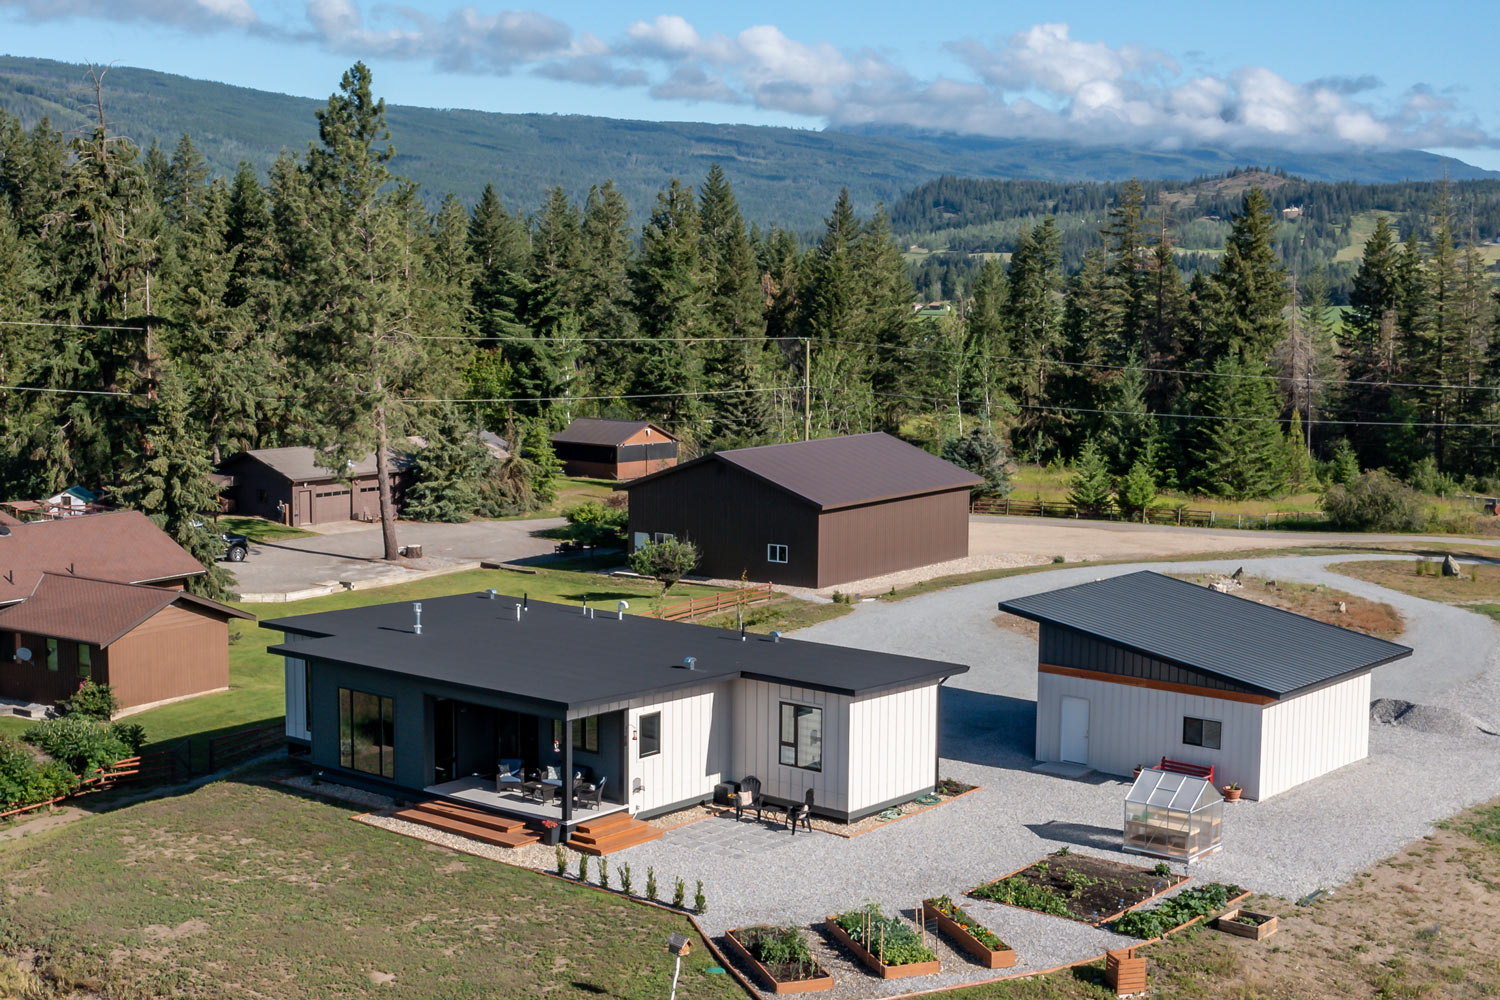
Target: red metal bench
x,y
1205,771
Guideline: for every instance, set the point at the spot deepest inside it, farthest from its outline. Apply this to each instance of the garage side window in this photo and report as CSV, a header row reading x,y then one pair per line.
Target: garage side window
x,y
650,734
367,733
776,553
802,736
1206,733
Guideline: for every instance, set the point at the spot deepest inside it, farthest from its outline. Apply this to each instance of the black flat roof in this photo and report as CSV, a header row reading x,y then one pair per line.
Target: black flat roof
x,y
557,655
1268,649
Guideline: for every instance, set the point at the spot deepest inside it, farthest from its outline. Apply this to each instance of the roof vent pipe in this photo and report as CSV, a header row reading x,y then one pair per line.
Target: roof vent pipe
x,y
620,610
492,593
524,599
591,614
585,607
776,635
417,609
691,662
742,631
518,612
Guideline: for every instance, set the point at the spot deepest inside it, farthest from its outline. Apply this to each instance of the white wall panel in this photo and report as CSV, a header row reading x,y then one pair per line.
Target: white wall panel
x,y
892,746
1315,733
296,698
696,739
757,743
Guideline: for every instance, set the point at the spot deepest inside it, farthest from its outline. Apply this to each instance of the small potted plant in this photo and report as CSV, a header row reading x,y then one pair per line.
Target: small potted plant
x,y
550,831
1232,791
1138,769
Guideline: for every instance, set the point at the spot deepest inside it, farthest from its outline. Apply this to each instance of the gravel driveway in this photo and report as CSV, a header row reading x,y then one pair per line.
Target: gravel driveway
x,y
1296,842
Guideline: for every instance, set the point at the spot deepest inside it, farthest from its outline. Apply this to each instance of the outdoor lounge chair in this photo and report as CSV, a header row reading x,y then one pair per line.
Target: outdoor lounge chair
x,y
589,792
748,797
509,778
800,814
550,774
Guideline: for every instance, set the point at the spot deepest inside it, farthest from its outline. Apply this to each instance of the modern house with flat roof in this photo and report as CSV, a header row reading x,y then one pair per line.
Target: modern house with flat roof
x,y
811,513
1143,666
444,698
614,449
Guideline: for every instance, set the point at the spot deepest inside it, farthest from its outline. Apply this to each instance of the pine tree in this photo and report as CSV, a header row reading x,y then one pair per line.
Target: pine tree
x,y
1368,345
1239,450
548,365
1298,462
609,315
983,454
1035,325
671,290
1248,293
1091,488
498,247
447,473
887,320
1137,489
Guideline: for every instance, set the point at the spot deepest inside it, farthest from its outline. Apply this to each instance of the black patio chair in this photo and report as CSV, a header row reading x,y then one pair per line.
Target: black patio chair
x,y
589,792
749,784
800,814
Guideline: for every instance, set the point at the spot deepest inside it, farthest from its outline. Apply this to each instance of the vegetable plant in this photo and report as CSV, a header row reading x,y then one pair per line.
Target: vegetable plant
x,y
1176,911
892,940
956,913
1019,892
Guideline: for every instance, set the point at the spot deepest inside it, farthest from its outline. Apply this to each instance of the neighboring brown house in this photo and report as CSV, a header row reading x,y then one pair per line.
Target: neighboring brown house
x,y
149,644
810,514
287,485
614,449
121,546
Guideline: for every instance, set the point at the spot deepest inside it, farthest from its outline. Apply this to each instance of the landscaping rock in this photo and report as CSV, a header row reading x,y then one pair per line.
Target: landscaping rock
x,y
1450,566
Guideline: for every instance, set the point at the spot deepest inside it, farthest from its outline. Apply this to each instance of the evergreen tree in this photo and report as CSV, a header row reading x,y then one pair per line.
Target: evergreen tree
x,y
498,248
1239,450
886,320
1091,488
447,473
1138,488
1369,342
548,365
983,454
1248,293
671,290
1035,325
609,314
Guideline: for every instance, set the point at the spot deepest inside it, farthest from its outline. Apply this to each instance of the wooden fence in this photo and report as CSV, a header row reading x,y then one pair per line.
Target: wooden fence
x,y
714,603
1183,516
244,743
103,777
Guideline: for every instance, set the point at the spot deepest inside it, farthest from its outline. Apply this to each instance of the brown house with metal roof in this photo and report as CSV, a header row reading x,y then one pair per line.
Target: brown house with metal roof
x,y
614,449
122,546
811,513
149,644
287,485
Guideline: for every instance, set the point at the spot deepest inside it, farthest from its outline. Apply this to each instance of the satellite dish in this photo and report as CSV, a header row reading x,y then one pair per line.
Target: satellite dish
x,y
23,654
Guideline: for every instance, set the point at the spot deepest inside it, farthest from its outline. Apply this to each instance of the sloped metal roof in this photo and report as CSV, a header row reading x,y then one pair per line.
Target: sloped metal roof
x,y
97,611
1266,649
835,472
596,430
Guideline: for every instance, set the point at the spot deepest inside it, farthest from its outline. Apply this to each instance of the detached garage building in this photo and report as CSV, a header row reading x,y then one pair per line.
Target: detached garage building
x,y
614,449
811,513
1143,666
288,486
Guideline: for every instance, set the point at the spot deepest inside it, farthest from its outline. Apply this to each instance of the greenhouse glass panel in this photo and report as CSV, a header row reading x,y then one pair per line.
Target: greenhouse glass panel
x,y
1173,816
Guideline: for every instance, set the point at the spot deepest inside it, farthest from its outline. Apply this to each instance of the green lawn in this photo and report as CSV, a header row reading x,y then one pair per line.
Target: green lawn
x,y
1047,482
258,529
250,889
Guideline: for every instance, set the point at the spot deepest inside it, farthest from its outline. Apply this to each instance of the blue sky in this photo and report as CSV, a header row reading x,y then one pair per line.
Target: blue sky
x,y
1308,75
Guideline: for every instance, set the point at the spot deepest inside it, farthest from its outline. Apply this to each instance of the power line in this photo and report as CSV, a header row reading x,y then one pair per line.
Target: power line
x,y
74,326
69,392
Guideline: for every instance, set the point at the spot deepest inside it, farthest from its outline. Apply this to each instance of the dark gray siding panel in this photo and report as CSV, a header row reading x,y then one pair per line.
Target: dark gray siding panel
x,y
1065,647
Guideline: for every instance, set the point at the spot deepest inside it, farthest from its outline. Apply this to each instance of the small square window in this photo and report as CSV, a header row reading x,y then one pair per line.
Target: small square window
x,y
1206,733
662,536
776,553
650,733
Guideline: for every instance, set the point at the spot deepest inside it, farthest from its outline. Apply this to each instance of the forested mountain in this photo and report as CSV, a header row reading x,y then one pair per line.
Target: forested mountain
x,y
783,176
1319,225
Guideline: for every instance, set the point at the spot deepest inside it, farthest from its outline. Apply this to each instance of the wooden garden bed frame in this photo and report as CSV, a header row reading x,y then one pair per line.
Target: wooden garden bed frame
x,y
1255,932
1181,881
814,985
990,958
876,965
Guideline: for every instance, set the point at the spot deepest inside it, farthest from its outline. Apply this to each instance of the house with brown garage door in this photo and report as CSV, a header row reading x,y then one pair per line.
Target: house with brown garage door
x,y
149,644
811,513
614,449
287,485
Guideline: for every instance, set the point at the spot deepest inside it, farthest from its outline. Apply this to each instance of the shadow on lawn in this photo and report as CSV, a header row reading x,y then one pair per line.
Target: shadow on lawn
x,y
989,729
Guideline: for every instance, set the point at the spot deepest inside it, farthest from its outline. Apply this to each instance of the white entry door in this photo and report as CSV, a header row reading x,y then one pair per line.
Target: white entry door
x,y
1074,730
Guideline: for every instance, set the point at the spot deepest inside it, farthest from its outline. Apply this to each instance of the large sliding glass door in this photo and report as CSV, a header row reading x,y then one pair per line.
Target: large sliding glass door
x,y
367,732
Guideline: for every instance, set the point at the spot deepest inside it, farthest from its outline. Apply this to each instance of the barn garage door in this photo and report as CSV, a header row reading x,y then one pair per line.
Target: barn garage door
x,y
330,503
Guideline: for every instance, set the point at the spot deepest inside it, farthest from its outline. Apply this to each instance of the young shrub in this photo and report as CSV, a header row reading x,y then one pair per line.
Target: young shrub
x,y
678,894
651,883
583,867
1162,870
82,744
562,860
700,904
132,734
666,561
91,701
603,872
625,878
1376,501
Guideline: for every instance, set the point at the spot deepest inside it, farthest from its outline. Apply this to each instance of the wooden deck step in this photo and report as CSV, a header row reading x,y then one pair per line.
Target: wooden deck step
x,y
472,814
616,837
465,828
605,824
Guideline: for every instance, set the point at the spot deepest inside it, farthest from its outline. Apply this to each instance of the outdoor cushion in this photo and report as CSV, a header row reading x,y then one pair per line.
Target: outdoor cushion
x,y
746,798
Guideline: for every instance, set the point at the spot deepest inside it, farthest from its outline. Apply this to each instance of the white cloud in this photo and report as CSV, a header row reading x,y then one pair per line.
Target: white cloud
x,y
466,40
194,15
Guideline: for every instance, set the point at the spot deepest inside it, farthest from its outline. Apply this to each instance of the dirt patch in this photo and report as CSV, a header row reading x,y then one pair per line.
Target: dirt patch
x,y
1479,583
1079,887
1324,604
1018,625
187,928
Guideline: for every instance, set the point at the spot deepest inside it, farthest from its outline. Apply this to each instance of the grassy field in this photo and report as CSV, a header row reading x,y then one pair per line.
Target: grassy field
x,y
258,529
1477,585
783,613
1046,482
250,889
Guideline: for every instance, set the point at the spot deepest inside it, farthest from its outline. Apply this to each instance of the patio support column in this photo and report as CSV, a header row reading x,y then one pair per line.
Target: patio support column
x,y
567,778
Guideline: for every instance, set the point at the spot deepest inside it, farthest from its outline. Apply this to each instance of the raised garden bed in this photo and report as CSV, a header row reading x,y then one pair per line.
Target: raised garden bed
x,y
1079,887
1182,910
888,946
1248,924
968,933
780,956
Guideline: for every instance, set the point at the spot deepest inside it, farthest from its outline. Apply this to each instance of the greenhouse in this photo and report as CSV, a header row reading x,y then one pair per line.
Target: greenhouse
x,y
1175,816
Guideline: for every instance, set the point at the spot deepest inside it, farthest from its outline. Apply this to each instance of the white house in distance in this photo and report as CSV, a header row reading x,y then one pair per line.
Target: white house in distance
x,y
1143,666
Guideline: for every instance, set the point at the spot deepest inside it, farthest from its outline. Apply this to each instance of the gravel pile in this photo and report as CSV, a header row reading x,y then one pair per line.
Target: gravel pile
x,y
1425,718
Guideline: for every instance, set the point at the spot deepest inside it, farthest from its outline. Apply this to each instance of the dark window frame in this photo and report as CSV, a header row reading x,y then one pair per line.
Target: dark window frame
x,y
54,657
654,740
85,657
794,743
1196,732
385,719
585,737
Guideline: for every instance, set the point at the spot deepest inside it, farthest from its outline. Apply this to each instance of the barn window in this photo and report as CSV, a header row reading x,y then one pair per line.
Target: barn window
x,y
802,736
662,536
776,553
1205,733
367,733
51,654
85,659
650,734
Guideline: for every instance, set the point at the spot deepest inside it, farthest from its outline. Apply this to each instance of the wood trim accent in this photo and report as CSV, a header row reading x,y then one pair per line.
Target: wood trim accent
x,y
1097,675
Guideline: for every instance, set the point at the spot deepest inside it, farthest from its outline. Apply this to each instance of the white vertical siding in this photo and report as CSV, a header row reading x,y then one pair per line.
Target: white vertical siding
x,y
757,743
296,699
695,746
892,746
1130,725
1315,733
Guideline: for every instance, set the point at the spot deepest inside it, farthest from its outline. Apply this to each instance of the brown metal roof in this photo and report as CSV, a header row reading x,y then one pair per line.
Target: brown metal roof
x,y
835,472
594,430
121,546
97,611
300,464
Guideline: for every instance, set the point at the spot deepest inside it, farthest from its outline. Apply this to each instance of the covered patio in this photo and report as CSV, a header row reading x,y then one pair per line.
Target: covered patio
x,y
480,791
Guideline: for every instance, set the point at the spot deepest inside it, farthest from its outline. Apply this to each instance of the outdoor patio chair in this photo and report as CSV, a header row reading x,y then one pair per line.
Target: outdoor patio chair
x,y
589,792
550,774
748,797
509,777
802,814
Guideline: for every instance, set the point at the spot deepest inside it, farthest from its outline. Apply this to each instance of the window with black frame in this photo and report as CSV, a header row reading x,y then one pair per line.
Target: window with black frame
x,y
650,734
367,733
802,736
585,733
1206,733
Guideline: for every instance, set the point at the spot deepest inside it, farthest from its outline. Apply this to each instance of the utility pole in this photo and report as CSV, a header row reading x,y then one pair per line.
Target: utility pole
x,y
806,389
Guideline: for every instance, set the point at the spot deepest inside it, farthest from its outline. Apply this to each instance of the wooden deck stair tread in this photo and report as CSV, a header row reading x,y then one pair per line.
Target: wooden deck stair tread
x,y
484,827
611,833
479,817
